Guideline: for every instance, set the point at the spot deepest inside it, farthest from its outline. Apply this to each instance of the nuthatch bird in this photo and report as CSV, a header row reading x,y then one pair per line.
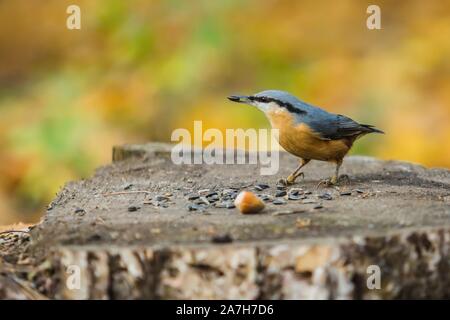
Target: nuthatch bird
x,y
306,131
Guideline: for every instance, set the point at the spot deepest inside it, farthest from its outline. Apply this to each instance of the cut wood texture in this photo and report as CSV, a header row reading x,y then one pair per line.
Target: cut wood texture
x,y
145,228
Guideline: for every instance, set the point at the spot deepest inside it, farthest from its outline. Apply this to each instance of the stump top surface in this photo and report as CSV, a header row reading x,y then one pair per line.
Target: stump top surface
x,y
386,197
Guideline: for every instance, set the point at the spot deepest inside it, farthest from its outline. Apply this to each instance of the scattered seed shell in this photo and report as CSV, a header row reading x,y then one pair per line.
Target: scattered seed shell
x,y
230,205
280,193
287,212
326,196
278,202
193,197
80,211
293,197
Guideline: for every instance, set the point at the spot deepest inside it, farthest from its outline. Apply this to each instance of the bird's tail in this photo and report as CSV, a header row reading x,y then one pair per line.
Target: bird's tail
x,y
371,129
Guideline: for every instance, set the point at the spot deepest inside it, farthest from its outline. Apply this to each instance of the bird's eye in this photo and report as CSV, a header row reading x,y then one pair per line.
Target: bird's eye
x,y
263,99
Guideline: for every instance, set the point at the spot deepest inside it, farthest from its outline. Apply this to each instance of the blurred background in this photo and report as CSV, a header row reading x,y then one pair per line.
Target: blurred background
x,y
139,69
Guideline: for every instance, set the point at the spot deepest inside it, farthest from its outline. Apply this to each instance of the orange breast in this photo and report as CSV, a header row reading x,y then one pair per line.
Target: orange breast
x,y
302,141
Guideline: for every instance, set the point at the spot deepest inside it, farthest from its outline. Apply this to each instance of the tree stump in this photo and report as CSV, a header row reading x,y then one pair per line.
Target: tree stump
x,y
144,228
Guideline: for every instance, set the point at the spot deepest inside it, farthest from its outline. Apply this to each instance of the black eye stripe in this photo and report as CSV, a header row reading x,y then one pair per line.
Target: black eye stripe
x,y
262,99
286,105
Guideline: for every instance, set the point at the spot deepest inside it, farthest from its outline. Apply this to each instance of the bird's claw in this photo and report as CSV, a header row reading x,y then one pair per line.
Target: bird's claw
x,y
325,183
344,177
285,182
301,174
291,179
333,181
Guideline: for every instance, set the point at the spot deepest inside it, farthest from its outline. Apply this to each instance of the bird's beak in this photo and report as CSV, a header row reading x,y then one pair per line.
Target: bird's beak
x,y
240,99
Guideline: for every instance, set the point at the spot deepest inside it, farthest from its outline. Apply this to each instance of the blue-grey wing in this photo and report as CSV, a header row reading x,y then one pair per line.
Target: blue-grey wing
x,y
333,127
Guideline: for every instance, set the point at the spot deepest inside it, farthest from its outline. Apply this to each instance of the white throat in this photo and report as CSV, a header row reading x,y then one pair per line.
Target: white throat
x,y
267,106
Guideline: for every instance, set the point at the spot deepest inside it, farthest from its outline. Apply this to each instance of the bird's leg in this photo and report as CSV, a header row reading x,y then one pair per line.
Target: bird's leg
x,y
294,175
338,178
335,178
297,172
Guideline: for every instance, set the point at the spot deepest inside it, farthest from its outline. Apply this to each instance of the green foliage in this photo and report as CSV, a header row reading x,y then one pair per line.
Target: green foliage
x,y
139,69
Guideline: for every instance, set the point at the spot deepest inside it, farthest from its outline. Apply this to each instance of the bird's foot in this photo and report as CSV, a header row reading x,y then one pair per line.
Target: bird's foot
x,y
333,181
344,178
326,183
290,180
285,182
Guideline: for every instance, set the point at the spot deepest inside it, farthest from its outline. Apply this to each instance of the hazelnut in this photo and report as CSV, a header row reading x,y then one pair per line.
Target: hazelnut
x,y
248,202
